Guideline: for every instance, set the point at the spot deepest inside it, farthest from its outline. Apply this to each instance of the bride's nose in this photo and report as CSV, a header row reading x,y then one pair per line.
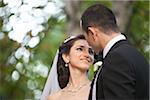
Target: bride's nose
x,y
88,55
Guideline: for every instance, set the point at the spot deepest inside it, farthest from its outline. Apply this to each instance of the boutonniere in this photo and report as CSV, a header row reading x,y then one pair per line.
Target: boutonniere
x,y
97,65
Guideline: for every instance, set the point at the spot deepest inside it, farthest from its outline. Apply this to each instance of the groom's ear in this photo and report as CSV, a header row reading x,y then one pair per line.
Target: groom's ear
x,y
65,57
92,31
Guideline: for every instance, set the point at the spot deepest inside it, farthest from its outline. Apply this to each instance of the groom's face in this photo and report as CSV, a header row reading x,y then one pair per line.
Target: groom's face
x,y
91,41
88,33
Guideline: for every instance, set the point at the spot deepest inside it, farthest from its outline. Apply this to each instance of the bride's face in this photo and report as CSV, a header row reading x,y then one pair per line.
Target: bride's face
x,y
81,55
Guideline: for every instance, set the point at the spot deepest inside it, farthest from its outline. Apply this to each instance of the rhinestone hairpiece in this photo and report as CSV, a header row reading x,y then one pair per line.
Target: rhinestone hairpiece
x,y
66,40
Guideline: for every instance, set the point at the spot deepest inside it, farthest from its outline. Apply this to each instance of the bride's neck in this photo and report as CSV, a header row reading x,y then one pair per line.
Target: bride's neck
x,y
77,79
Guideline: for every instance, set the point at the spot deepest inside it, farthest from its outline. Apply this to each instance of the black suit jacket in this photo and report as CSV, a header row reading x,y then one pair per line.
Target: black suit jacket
x,y
124,76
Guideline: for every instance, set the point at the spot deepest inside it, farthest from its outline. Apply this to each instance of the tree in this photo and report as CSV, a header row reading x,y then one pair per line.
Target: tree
x,y
22,78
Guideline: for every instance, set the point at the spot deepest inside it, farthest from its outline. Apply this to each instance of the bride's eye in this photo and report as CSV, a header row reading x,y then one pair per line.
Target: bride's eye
x,y
79,49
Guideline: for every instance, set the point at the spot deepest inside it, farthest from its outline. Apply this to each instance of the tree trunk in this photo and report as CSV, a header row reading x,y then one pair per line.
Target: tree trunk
x,y
121,9
72,9
123,12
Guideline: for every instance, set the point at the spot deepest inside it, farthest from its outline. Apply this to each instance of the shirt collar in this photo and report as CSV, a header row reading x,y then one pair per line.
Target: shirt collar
x,y
111,43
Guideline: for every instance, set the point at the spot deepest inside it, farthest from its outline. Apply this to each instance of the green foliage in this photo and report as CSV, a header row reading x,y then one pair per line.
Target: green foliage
x,y
91,73
138,31
44,52
87,3
49,45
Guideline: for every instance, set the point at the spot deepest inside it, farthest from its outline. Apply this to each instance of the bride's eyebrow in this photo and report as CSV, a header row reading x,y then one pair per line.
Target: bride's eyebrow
x,y
82,46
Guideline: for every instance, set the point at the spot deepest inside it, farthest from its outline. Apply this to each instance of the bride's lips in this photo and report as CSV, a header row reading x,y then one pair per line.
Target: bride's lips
x,y
87,60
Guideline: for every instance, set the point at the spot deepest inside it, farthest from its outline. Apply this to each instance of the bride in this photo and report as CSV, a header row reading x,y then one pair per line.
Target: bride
x,y
70,81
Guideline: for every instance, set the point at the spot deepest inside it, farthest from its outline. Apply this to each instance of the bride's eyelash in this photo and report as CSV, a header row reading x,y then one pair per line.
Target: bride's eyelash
x,y
90,50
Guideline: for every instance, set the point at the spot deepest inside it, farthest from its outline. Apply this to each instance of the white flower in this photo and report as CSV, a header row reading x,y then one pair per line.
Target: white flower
x,y
96,65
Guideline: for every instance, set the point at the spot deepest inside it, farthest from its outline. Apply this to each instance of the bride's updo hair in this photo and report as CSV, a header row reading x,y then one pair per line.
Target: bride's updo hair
x,y
63,72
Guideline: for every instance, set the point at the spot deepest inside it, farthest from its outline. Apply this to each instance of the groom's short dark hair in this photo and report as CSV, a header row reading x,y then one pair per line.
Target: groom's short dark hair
x,y
99,16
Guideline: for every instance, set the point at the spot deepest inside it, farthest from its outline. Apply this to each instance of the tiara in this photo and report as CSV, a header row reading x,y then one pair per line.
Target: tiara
x,y
68,39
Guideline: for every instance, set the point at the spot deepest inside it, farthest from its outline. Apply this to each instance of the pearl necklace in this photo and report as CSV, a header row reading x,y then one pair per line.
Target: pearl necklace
x,y
75,90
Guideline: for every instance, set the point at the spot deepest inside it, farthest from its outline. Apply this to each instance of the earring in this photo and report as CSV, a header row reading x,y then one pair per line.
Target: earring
x,y
66,64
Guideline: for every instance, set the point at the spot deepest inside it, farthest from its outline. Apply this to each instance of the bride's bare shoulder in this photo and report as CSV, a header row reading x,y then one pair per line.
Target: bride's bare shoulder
x,y
54,96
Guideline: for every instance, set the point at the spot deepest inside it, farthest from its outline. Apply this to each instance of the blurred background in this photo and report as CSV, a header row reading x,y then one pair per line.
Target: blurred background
x,y
31,31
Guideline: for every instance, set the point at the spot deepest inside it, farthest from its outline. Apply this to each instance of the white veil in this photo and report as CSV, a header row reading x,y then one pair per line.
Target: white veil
x,y
52,84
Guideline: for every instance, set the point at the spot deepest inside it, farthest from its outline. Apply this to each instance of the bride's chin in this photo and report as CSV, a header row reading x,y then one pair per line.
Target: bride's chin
x,y
85,67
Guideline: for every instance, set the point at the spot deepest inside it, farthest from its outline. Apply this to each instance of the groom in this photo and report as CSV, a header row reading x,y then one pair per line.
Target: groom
x,y
125,72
